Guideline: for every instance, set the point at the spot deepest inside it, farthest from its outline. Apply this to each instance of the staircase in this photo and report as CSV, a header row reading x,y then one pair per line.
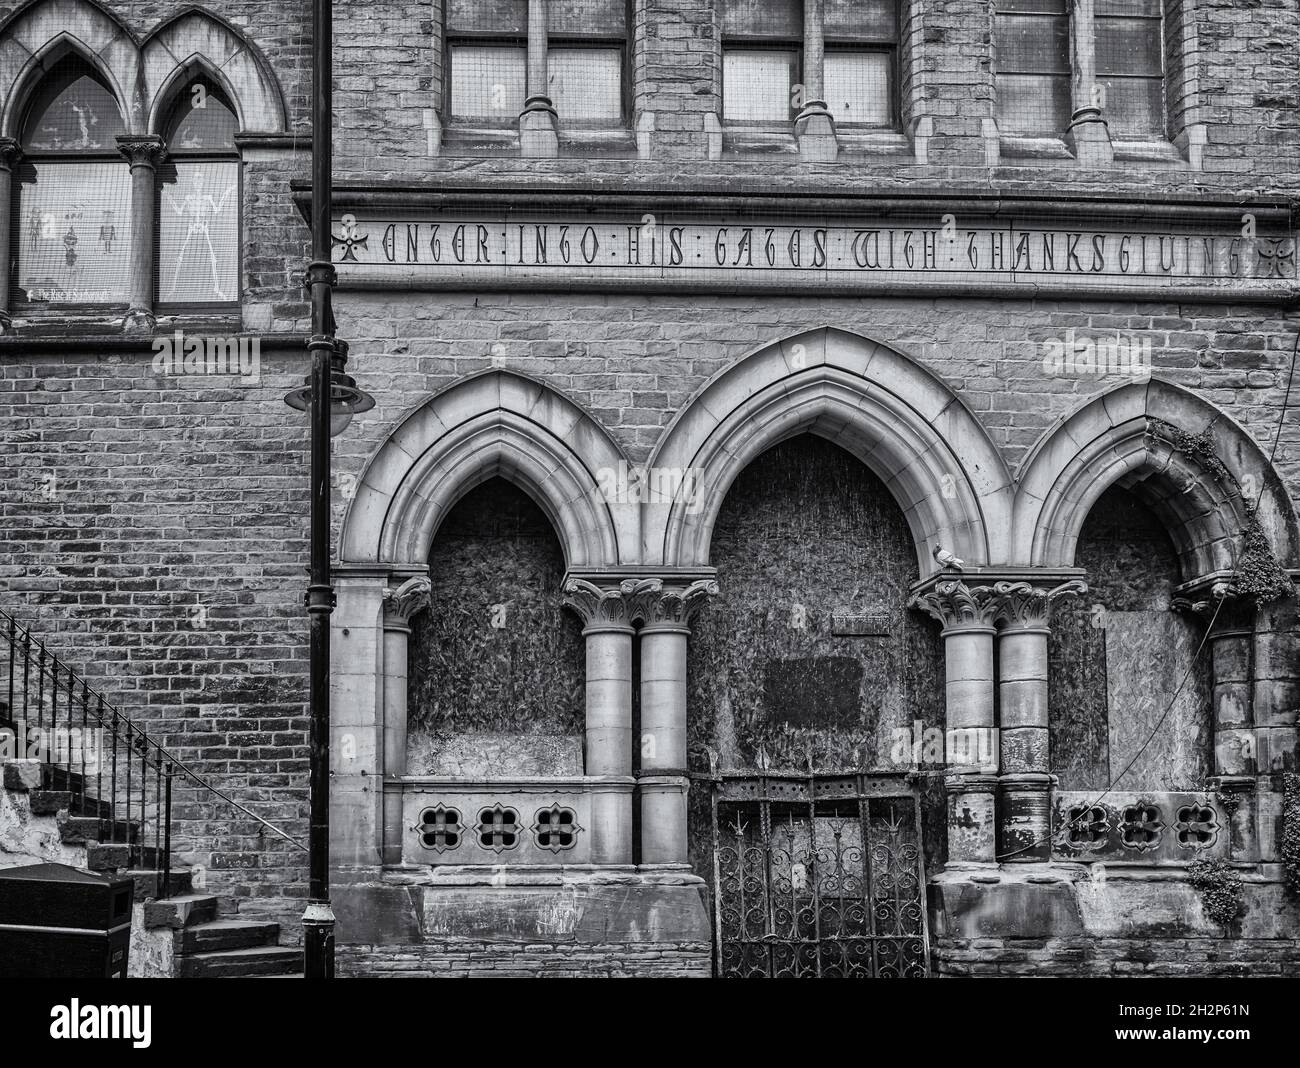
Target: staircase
x,y
108,809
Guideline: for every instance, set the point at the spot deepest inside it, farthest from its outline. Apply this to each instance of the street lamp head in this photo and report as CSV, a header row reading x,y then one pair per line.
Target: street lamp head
x,y
346,397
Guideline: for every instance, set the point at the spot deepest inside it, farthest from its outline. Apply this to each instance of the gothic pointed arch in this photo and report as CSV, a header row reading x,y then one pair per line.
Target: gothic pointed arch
x,y
36,38
497,423
879,404
1199,471
196,42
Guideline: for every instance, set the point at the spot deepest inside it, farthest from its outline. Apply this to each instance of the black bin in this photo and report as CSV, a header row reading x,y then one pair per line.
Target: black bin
x,y
58,922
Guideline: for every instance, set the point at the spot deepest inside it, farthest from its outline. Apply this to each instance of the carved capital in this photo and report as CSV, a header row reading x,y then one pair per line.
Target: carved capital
x,y
675,604
10,152
410,597
1218,600
142,150
1023,604
610,606
954,604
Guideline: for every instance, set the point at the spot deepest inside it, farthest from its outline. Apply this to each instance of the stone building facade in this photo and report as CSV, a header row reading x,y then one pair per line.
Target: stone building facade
x,y
830,499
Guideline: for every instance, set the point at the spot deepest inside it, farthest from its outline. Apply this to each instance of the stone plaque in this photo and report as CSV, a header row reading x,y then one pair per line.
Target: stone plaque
x,y
857,255
861,625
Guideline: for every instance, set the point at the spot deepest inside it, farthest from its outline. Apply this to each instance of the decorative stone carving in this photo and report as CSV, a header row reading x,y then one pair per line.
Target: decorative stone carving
x,y
610,605
10,153
142,150
410,597
674,604
954,604
1141,826
1023,604
1206,608
1196,826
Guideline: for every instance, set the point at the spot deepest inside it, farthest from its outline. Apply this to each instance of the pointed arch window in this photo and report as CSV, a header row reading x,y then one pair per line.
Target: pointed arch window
x,y
198,200
74,201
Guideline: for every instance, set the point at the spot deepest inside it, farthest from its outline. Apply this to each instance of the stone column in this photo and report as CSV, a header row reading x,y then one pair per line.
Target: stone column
x,y
144,152
10,153
1275,704
1025,782
967,614
814,128
663,783
1088,135
400,605
537,123
606,613
356,721
1231,622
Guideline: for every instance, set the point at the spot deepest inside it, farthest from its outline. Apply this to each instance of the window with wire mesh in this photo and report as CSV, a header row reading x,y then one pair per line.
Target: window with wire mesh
x,y
763,61
198,199
1033,71
1032,64
74,192
1129,36
487,61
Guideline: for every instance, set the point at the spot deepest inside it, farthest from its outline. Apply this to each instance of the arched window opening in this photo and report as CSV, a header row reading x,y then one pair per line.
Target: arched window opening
x,y
74,202
496,664
199,199
1122,657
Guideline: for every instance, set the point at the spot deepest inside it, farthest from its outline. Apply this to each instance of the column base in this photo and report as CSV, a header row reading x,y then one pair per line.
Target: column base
x,y
1025,818
139,321
814,130
1089,138
971,823
538,138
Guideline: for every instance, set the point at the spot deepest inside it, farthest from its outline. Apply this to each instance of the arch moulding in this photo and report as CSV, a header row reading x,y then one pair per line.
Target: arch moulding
x,y
1126,437
882,406
498,423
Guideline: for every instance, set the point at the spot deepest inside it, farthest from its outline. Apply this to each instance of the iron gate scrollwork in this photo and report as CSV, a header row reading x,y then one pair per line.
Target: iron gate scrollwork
x,y
817,875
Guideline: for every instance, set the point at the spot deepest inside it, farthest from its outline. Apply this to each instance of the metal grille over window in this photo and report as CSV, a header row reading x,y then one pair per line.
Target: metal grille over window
x,y
584,48
1130,67
440,828
767,74
556,828
198,211
498,828
1052,61
1032,63
74,211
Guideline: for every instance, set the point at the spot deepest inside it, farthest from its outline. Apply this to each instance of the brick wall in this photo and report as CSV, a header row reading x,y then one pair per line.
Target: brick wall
x,y
459,960
1119,957
153,530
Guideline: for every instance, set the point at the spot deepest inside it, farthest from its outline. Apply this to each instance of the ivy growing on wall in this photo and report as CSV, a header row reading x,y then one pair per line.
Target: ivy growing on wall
x,y
1291,832
1259,575
1220,889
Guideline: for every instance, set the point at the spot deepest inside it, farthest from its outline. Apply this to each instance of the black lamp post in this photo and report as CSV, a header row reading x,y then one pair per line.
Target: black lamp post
x,y
332,398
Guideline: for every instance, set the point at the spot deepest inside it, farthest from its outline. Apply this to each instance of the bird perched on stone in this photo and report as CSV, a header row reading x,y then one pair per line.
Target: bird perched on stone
x,y
946,559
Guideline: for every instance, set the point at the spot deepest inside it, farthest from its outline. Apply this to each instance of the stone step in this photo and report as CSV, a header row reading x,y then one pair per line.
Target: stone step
x,y
81,830
228,934
117,856
50,802
180,911
22,776
232,963
147,882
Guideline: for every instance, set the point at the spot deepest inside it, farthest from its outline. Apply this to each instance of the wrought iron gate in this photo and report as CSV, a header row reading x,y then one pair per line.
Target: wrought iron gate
x,y
817,875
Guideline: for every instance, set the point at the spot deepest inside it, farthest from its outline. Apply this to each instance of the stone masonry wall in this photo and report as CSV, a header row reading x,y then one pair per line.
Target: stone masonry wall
x,y
1118,957
459,960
